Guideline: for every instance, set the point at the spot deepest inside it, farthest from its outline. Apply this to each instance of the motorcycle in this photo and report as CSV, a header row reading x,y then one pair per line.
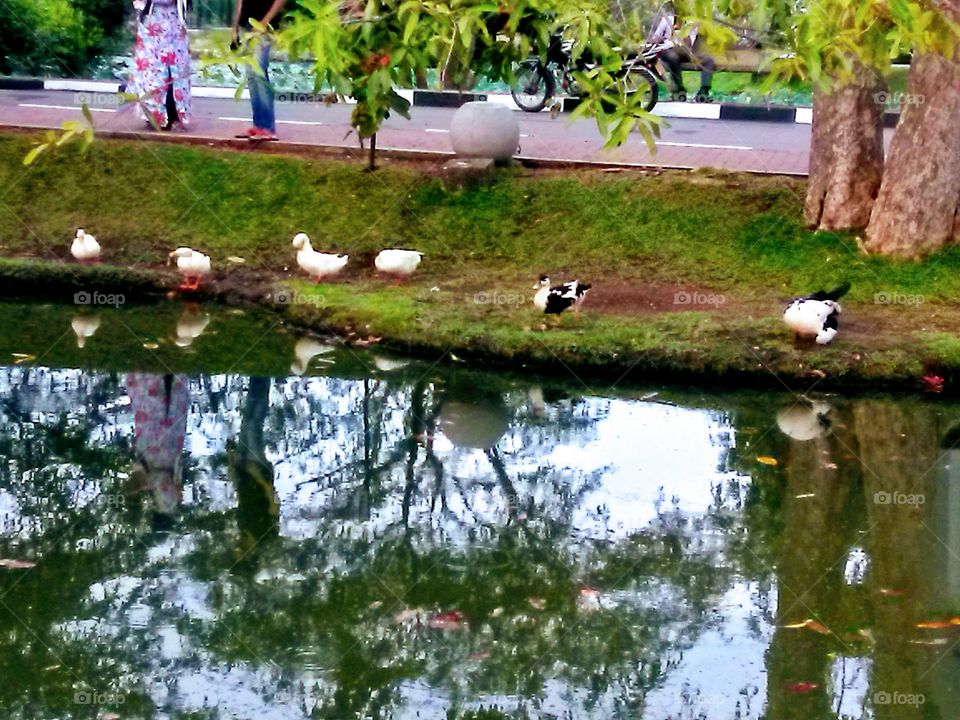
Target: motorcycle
x,y
536,81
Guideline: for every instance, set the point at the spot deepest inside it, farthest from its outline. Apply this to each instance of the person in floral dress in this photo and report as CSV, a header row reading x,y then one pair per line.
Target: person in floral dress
x,y
160,405
161,75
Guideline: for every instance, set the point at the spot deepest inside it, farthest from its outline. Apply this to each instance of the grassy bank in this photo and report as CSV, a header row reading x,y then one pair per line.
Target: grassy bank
x,y
690,270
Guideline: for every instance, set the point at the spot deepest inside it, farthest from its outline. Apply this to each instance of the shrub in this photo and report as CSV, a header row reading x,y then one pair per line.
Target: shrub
x,y
55,37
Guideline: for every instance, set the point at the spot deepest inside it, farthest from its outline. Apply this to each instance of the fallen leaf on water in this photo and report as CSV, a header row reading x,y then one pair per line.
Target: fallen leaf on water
x,y
933,625
235,259
830,466
478,656
151,345
375,604
932,383
802,687
497,612
109,716
891,592
12,564
537,603
809,624
955,621
931,641
22,358
767,460
588,592
805,495
450,620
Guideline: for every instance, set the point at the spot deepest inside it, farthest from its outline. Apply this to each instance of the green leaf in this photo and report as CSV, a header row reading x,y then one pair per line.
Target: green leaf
x,y
31,156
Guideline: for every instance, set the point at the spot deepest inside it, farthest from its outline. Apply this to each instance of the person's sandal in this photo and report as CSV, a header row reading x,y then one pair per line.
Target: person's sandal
x,y
260,134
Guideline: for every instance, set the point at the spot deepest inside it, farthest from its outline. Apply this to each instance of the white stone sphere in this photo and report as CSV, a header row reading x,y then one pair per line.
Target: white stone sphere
x,y
484,130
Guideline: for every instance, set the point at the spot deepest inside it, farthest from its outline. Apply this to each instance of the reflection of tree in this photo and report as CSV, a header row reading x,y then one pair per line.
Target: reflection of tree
x,y
258,511
387,518
827,498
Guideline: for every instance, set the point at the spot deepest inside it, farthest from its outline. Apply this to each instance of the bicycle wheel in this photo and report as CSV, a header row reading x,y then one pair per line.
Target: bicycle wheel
x,y
639,79
533,87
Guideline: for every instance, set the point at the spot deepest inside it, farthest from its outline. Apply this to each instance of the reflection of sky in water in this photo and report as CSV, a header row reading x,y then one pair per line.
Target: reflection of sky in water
x,y
616,470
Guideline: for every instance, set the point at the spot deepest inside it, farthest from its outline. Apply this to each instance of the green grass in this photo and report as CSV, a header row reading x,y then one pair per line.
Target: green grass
x,y
642,236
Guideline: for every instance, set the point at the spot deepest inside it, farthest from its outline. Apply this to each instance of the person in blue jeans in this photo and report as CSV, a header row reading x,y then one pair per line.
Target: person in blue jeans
x,y
264,12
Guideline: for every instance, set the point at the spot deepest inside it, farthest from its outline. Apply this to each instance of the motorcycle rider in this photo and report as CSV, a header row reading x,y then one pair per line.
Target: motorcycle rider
x,y
679,48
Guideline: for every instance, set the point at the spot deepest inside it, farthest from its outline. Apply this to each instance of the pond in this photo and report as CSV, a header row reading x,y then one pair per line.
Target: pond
x,y
206,514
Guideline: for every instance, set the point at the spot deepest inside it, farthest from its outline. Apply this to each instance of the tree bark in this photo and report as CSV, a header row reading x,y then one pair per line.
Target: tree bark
x,y
916,210
846,155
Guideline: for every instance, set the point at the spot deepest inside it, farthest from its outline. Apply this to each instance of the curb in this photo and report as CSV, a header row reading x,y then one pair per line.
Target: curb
x,y
453,99
393,153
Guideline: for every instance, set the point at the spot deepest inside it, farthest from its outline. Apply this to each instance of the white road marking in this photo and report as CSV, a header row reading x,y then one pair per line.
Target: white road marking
x,y
279,122
704,145
65,107
436,130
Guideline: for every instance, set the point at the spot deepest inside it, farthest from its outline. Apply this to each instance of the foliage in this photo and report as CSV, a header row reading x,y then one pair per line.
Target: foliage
x,y
367,50
70,130
57,37
831,41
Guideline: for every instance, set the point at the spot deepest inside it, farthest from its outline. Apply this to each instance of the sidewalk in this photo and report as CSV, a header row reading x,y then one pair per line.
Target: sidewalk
x,y
700,135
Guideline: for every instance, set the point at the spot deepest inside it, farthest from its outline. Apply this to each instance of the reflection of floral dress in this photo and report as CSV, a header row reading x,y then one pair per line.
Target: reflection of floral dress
x,y
160,404
162,58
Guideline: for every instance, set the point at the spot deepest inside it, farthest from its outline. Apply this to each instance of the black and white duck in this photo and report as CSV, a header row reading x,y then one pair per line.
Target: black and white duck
x,y
815,316
554,300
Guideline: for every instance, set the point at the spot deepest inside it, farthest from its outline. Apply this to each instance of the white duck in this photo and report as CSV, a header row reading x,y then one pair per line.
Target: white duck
x,y
317,264
402,263
815,316
193,265
306,349
84,247
191,325
84,326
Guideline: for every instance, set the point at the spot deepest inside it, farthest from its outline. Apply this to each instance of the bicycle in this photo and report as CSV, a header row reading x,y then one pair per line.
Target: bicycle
x,y
535,82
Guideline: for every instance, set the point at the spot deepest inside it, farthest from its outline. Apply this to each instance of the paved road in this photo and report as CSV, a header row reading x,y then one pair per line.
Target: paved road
x,y
734,145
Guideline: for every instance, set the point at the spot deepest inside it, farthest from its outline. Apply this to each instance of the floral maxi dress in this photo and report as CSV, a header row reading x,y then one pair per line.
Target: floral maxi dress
x,y
162,60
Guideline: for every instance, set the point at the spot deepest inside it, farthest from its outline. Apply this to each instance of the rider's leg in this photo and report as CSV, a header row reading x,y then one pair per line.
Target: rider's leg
x,y
672,59
707,68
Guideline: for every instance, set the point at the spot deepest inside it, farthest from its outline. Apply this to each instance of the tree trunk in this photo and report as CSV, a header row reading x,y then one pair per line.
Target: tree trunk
x,y
916,211
846,156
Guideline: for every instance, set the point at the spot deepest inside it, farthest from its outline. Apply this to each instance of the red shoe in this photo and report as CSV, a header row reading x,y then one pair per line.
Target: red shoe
x,y
256,133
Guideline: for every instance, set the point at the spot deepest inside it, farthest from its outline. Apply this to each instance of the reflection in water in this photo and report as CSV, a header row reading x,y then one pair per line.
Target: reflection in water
x,y
160,404
463,546
191,324
84,327
306,349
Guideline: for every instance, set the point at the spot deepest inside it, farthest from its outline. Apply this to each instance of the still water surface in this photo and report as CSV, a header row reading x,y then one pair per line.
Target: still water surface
x,y
309,531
